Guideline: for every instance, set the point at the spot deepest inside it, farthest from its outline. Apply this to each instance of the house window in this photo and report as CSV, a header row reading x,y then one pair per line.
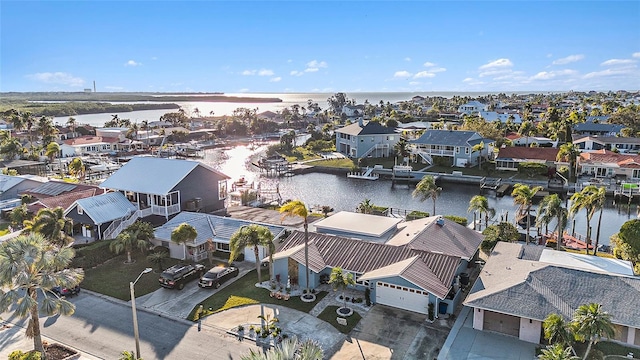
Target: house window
x,y
457,149
466,150
80,211
361,140
222,189
222,247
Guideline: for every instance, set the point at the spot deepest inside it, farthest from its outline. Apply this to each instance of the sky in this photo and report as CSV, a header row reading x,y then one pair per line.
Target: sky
x,y
319,46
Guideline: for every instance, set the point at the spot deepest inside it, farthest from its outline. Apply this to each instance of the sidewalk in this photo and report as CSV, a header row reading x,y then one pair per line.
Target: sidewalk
x,y
12,338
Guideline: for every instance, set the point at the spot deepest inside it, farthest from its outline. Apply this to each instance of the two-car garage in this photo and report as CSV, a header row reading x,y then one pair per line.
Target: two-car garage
x,y
402,297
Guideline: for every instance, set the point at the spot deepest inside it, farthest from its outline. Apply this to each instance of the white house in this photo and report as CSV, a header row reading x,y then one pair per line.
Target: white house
x,y
472,107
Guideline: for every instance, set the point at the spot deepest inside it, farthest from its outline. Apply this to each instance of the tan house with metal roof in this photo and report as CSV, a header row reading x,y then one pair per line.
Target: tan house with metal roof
x,y
419,263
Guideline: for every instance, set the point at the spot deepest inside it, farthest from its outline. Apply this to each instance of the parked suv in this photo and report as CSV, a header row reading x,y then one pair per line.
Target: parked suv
x,y
178,275
63,291
217,275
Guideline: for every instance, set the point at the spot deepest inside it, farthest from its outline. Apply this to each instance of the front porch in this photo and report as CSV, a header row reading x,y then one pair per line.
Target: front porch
x,y
153,204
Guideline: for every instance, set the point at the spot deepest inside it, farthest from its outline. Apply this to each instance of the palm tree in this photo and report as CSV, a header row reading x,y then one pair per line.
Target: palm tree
x,y
599,199
557,331
426,189
289,349
480,204
183,234
401,148
557,352
72,124
53,149
589,200
298,208
340,280
18,215
252,236
523,196
52,224
136,235
76,168
526,129
551,208
31,266
157,257
365,207
569,152
591,323
478,147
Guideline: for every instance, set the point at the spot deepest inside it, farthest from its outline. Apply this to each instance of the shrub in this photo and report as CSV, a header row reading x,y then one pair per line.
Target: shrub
x,y
414,215
93,255
459,219
532,169
240,328
19,355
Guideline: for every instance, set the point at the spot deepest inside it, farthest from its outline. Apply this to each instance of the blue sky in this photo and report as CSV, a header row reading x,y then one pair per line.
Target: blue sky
x,y
308,46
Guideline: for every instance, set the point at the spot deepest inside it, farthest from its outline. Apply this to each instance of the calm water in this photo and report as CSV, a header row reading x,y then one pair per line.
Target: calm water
x,y
227,108
345,194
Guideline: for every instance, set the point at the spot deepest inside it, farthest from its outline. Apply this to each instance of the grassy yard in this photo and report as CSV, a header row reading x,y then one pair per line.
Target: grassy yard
x,y
335,163
329,315
244,292
112,277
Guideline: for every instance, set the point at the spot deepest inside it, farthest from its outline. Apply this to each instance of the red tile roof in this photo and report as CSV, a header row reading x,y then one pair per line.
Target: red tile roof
x,y
606,156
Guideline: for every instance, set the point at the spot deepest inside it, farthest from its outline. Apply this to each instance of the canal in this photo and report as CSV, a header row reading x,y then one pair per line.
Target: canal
x,y
341,193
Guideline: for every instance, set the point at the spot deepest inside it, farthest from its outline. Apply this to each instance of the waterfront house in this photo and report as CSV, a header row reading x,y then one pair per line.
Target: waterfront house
x,y
597,129
491,116
93,216
540,141
370,139
472,107
604,163
351,111
520,285
165,187
455,146
218,229
11,187
53,194
407,265
630,145
510,157
91,144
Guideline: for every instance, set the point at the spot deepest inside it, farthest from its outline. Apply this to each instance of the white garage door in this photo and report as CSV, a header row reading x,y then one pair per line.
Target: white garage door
x,y
402,297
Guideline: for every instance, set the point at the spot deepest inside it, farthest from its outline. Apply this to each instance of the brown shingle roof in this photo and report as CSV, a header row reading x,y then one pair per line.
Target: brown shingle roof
x,y
64,200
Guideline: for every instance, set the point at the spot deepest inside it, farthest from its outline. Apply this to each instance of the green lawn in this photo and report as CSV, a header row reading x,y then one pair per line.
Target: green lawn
x,y
329,315
112,277
244,292
335,163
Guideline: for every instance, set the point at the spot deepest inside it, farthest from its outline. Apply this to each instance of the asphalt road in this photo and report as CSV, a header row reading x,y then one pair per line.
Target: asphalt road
x,y
104,328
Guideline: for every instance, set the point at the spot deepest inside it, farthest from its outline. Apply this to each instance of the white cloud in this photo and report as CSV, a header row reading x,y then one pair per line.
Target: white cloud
x,y
315,65
154,58
636,55
243,90
497,64
615,62
429,64
57,78
132,63
248,72
610,72
497,67
275,79
424,74
437,70
402,74
407,59
296,73
265,72
568,59
414,83
548,75
467,80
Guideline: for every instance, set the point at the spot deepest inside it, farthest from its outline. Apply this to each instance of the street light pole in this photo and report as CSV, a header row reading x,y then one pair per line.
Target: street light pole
x,y
133,310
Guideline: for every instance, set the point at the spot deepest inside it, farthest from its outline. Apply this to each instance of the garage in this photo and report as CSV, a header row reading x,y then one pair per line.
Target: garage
x,y
402,297
501,323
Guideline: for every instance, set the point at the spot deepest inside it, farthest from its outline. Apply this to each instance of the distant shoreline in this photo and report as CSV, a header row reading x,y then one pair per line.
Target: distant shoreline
x,y
132,97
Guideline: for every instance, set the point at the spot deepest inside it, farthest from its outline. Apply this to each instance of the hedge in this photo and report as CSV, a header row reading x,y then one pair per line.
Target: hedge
x,y
459,219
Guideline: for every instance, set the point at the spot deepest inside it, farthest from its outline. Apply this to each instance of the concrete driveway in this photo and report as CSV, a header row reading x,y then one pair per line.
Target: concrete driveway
x,y
179,303
389,333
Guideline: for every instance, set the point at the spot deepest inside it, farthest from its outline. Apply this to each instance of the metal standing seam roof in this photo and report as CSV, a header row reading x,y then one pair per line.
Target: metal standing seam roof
x,y
153,175
433,272
218,228
426,235
7,182
445,137
106,207
53,188
370,128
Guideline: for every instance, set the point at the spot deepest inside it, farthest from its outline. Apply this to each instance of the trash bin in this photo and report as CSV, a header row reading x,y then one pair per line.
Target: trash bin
x,y
442,307
464,279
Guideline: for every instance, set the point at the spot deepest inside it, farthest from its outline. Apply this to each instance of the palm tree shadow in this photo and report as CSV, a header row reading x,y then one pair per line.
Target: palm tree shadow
x,y
51,320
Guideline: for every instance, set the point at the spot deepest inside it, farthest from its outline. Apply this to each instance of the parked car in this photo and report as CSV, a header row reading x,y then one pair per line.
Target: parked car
x,y
178,275
63,291
217,275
